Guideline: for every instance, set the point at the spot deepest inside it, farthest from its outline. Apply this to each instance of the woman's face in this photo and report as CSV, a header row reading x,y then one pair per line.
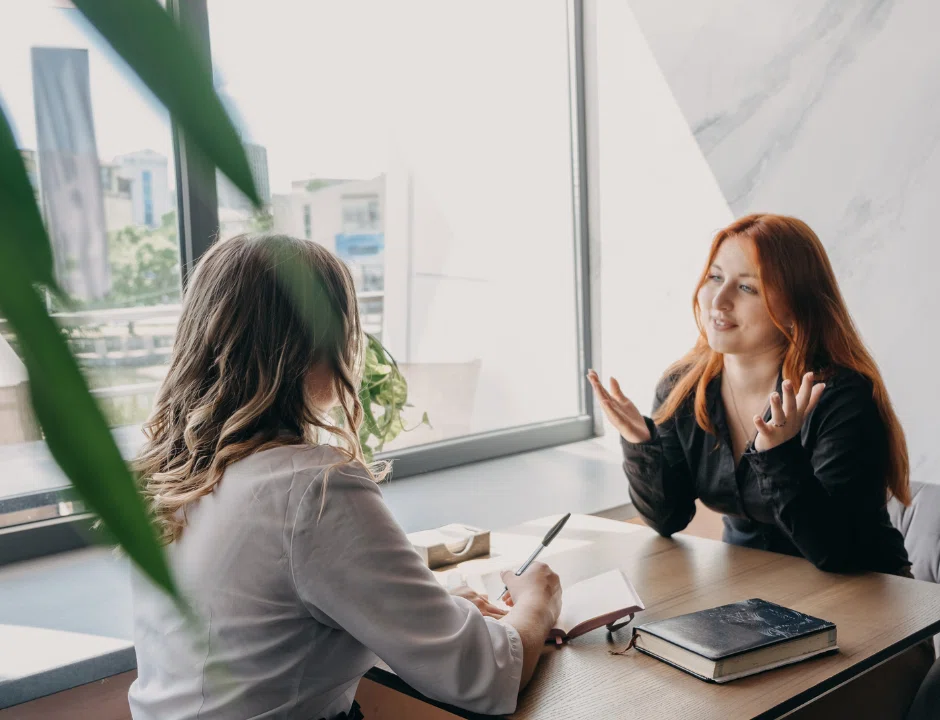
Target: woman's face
x,y
731,303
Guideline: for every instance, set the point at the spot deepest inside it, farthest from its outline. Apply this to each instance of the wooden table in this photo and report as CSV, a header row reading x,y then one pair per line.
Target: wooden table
x,y
877,616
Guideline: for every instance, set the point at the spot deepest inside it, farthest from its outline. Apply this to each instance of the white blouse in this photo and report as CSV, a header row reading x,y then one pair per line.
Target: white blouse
x,y
295,605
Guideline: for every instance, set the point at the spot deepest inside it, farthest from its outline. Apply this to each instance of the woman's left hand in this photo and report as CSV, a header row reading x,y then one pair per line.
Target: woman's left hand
x,y
481,601
787,413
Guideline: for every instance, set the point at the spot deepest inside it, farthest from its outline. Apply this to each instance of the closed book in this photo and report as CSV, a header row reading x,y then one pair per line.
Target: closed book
x,y
731,641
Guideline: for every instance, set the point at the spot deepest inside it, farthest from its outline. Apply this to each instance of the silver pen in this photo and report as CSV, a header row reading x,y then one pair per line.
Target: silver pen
x,y
549,536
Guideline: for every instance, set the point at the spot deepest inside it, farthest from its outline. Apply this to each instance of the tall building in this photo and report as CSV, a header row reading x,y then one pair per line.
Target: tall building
x,y
118,203
346,216
230,197
70,175
149,174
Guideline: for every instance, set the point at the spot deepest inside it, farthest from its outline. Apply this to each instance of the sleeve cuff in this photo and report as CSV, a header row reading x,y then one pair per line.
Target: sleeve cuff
x,y
778,467
510,692
515,648
651,445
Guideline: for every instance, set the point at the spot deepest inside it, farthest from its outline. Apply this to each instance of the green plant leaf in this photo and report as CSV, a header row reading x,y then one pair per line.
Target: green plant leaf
x,y
398,390
393,428
384,393
381,370
368,421
74,428
27,244
162,56
364,434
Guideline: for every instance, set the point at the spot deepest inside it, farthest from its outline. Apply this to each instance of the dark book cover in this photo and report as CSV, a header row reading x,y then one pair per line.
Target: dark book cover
x,y
727,630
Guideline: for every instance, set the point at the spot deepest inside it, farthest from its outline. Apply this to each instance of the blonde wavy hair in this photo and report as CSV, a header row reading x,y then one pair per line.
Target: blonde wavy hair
x,y
259,313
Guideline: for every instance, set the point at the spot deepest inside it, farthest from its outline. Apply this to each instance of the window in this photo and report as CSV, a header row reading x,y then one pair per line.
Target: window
x,y
446,186
118,257
450,193
360,214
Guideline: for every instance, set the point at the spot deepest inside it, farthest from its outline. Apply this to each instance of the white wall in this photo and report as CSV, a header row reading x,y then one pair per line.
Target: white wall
x,y
659,208
829,111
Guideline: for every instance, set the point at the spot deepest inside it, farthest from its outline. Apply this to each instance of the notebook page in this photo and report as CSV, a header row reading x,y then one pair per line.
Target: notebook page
x,y
594,597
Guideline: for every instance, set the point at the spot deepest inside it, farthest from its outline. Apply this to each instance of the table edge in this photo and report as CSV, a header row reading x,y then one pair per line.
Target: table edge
x,y
394,682
851,673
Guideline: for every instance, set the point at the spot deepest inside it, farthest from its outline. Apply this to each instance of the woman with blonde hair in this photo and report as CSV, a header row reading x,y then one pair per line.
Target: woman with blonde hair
x,y
276,530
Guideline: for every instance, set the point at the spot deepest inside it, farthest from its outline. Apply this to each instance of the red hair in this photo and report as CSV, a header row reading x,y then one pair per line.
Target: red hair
x,y
794,269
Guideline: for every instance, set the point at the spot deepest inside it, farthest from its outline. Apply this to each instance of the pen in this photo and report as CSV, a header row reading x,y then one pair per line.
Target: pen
x,y
549,536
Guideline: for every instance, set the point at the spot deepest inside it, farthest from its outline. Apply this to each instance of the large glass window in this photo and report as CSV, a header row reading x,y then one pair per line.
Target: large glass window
x,y
98,151
429,145
414,139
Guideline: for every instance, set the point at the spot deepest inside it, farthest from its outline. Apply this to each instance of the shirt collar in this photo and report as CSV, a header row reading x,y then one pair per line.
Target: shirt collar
x,y
716,409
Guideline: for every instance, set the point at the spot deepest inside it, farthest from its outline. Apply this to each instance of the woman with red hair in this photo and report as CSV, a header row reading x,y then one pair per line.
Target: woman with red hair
x,y
778,417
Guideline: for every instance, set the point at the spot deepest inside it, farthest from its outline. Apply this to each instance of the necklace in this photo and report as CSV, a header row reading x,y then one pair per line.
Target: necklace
x,y
741,424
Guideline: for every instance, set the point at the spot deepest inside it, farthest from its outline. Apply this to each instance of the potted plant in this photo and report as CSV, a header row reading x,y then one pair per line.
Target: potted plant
x,y
384,395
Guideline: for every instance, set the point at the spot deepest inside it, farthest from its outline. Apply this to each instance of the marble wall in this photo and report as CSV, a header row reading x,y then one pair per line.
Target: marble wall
x,y
829,110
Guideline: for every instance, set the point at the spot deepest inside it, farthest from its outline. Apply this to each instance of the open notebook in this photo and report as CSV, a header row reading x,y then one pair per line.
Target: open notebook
x,y
599,601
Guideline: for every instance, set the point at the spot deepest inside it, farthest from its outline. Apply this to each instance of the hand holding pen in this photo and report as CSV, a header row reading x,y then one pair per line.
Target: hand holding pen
x,y
549,536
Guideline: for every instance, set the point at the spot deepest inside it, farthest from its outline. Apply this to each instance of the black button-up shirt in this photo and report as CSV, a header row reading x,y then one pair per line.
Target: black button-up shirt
x,y
821,494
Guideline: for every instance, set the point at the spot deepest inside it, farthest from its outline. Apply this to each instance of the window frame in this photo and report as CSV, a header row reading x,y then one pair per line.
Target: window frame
x,y
197,205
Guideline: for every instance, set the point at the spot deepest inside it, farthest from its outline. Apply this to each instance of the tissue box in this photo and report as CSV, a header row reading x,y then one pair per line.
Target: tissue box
x,y
450,544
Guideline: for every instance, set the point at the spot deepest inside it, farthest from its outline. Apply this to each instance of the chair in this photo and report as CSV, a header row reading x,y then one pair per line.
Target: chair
x,y
926,705
920,525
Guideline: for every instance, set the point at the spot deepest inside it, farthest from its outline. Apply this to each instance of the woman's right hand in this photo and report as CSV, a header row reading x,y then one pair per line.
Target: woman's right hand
x,y
535,599
620,410
538,587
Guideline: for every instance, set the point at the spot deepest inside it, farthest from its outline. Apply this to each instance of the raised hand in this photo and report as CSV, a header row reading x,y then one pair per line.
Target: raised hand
x,y
787,413
620,410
